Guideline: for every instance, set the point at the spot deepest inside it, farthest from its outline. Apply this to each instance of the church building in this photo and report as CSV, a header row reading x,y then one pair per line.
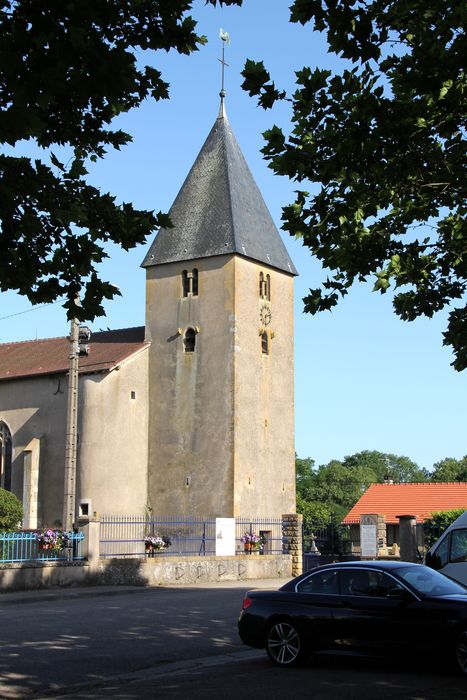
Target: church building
x,y
193,413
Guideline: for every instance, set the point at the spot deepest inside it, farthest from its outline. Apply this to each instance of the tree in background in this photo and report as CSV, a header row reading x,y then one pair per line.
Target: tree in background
x,y
438,522
384,144
66,70
387,466
330,491
313,511
450,469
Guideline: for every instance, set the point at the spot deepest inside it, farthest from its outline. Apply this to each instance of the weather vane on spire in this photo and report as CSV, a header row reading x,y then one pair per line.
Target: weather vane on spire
x,y
225,38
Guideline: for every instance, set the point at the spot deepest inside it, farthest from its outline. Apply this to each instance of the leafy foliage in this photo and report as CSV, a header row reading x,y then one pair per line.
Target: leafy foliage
x,y
330,491
450,469
66,70
387,466
439,522
384,143
315,515
11,511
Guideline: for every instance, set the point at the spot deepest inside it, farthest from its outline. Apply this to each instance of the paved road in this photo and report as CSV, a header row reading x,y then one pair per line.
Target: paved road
x,y
136,644
255,678
49,641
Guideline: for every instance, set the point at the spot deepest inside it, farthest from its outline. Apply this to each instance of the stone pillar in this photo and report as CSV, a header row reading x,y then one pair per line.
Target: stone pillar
x,y
91,544
31,483
408,537
292,529
381,535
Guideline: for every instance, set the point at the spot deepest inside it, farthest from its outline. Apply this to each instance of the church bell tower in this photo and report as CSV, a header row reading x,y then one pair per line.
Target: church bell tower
x,y
219,316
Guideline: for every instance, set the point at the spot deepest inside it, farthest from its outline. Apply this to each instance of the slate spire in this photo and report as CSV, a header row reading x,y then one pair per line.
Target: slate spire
x,y
219,210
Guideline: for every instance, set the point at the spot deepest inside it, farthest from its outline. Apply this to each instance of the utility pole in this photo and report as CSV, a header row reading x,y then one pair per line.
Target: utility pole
x,y
79,337
69,494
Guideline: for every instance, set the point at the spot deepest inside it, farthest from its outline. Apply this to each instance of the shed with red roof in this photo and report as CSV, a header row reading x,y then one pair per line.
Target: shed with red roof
x,y
420,499
388,501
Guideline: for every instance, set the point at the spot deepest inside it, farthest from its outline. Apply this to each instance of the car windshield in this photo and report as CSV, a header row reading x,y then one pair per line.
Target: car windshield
x,y
429,582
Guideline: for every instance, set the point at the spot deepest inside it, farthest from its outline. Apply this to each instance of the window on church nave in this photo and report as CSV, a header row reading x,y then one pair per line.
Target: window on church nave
x,y
190,282
189,341
265,343
5,456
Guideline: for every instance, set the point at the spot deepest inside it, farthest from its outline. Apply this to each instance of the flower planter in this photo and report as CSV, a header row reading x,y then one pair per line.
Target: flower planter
x,y
251,549
155,543
252,543
53,540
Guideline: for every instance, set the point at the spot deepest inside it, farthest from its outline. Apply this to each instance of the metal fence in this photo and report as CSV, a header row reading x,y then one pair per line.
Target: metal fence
x,y
23,546
124,536
268,529
333,540
337,540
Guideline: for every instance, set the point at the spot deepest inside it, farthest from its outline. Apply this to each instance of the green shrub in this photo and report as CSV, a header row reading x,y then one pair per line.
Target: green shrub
x,y
438,522
11,511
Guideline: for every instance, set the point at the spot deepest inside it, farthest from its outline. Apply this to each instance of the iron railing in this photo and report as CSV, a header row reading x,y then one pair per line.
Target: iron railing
x,y
333,540
23,546
269,530
124,536
337,540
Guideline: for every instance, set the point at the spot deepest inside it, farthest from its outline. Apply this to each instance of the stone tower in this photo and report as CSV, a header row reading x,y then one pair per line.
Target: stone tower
x,y
219,315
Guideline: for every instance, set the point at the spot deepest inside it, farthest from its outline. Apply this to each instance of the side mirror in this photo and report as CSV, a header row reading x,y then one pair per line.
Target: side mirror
x,y
433,561
399,594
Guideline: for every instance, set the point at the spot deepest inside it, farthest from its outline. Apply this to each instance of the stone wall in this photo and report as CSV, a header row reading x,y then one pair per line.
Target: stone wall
x,y
157,571
33,575
160,571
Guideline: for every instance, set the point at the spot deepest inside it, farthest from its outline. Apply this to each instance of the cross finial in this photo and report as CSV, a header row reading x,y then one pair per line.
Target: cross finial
x,y
225,38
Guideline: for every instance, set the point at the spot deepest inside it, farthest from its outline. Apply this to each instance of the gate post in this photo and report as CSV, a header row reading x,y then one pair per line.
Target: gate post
x,y
292,529
91,529
408,537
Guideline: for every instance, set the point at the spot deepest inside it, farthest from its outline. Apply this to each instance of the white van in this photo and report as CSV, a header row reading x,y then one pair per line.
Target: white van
x,y
449,553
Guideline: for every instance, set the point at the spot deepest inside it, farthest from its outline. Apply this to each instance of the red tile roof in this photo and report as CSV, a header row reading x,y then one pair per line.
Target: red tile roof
x,y
409,499
32,358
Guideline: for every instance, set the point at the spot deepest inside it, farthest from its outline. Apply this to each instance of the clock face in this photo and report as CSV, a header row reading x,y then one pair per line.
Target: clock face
x,y
265,315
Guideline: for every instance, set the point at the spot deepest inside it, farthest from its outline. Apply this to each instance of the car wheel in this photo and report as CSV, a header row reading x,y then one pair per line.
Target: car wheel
x,y
461,652
284,644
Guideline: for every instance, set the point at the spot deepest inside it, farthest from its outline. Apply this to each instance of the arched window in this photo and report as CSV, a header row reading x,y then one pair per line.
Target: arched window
x,y
189,341
265,343
268,287
261,285
6,453
185,285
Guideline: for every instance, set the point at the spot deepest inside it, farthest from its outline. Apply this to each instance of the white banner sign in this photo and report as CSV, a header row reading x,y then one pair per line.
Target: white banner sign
x,y
225,537
368,540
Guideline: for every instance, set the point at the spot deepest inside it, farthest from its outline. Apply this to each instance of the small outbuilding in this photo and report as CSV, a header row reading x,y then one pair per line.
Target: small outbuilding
x,y
390,501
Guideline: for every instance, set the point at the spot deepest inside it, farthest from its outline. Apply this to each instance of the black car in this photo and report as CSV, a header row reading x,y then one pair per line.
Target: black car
x,y
359,607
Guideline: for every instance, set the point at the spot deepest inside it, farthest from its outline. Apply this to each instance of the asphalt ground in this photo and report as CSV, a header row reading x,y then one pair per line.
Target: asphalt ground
x,y
58,592
218,667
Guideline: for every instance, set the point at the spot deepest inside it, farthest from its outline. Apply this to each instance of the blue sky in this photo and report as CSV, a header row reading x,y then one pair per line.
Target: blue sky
x,y
364,379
